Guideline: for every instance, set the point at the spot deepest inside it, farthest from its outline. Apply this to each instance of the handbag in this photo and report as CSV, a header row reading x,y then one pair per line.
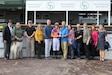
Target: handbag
x,y
106,45
74,43
91,41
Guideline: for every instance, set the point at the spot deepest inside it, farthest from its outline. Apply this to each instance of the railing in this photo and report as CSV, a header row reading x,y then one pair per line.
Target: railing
x,y
72,25
108,28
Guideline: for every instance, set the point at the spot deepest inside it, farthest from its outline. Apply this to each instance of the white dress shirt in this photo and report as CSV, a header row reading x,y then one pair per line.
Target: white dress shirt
x,y
10,28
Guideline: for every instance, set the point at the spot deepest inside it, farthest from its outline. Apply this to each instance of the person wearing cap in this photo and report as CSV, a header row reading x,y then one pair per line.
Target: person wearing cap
x,y
56,39
16,51
48,39
29,33
7,39
64,39
39,38
86,39
102,38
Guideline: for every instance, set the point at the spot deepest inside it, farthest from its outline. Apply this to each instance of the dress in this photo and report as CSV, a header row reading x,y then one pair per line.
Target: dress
x,y
101,40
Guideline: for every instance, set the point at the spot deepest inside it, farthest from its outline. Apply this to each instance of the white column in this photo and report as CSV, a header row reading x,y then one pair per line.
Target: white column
x,y
109,14
26,17
66,17
34,17
97,17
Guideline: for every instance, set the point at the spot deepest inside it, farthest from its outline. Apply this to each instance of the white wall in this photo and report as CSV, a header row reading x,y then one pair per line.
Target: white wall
x,y
2,47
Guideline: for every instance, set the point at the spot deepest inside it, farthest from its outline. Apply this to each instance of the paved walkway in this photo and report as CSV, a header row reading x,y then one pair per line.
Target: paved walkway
x,y
55,67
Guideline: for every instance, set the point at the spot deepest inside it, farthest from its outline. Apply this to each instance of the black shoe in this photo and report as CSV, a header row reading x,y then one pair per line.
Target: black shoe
x,y
92,58
54,54
72,57
48,58
88,59
79,58
39,57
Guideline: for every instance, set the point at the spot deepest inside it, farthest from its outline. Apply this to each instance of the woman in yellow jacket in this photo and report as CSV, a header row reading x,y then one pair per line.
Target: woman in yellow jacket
x,y
39,37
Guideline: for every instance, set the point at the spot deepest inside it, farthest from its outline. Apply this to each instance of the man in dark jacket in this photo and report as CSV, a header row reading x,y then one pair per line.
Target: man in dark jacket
x,y
7,39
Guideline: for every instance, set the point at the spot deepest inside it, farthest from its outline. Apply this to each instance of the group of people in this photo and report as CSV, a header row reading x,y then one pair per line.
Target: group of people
x,y
54,37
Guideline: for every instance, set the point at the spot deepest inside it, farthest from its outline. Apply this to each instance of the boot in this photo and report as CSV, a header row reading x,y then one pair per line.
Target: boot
x,y
57,54
54,54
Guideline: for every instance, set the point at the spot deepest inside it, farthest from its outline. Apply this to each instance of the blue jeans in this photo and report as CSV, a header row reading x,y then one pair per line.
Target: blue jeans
x,y
7,50
71,51
78,49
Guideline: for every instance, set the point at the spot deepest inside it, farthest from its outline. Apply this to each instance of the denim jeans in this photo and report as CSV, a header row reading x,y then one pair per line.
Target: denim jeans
x,y
78,49
71,51
7,50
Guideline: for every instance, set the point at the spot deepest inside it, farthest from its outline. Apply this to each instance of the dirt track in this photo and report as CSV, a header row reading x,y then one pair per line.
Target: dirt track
x,y
55,67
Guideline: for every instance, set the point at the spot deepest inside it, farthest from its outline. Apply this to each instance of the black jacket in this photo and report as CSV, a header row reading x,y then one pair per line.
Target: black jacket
x,y
7,34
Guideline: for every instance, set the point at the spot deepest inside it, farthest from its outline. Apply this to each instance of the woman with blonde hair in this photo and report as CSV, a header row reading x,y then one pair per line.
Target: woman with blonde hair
x,y
102,38
39,37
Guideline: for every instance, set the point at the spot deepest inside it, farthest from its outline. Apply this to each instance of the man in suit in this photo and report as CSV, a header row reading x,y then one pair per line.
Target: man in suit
x,y
7,39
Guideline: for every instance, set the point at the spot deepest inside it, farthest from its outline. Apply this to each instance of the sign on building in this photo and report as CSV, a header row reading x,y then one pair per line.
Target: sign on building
x,y
68,5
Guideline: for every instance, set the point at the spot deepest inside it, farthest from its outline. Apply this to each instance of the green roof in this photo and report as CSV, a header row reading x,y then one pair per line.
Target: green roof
x,y
12,1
